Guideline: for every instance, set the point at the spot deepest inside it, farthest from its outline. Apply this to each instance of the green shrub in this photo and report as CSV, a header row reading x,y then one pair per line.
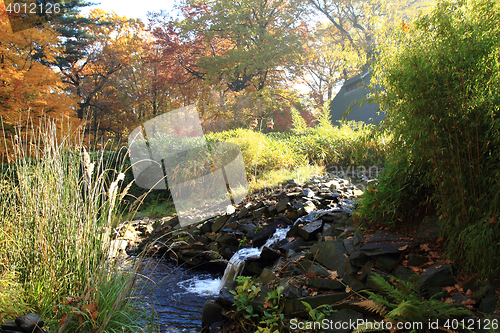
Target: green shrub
x,y
399,199
441,75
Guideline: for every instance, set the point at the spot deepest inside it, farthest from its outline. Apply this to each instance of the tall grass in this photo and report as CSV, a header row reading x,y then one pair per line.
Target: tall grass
x,y
57,210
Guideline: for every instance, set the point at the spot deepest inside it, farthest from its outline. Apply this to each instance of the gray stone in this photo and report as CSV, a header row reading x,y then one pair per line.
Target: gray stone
x,y
343,316
417,260
439,276
269,254
331,255
403,273
29,322
267,276
459,298
10,326
282,205
349,246
358,258
243,212
307,231
308,193
225,297
219,223
260,238
489,303
271,210
290,291
212,312
386,262
227,239
291,244
259,212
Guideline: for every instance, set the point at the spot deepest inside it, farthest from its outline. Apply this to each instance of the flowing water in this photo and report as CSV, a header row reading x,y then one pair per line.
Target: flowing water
x,y
179,293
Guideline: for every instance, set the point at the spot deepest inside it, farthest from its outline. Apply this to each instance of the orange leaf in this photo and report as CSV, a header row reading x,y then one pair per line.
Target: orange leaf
x,y
470,301
92,310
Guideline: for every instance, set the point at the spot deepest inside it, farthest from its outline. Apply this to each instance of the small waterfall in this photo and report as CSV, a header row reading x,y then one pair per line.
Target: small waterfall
x,y
237,261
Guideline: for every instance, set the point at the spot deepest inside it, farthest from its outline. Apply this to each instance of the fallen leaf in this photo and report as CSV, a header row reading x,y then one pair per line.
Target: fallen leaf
x,y
470,301
424,247
468,293
73,300
402,248
449,300
449,289
92,310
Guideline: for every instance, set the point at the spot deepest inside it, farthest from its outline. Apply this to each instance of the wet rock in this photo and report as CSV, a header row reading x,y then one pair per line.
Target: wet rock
x,y
260,238
212,312
290,244
269,254
309,230
226,298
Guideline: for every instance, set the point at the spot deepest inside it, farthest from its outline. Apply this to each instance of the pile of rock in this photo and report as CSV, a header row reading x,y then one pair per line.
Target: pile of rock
x,y
324,259
30,323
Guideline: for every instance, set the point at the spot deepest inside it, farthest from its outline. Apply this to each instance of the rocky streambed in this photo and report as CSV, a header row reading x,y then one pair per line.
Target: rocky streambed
x,y
321,259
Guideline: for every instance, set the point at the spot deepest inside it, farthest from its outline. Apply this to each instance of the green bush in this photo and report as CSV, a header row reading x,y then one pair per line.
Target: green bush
x,y
441,75
56,221
398,200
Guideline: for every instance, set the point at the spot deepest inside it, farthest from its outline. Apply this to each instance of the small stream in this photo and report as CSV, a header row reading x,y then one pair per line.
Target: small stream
x,y
178,294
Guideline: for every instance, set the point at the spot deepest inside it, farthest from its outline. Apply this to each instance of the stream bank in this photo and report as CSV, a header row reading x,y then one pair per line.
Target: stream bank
x,y
324,258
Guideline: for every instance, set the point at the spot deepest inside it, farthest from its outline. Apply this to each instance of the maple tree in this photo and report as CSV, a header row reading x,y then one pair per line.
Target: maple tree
x,y
234,45
28,87
91,78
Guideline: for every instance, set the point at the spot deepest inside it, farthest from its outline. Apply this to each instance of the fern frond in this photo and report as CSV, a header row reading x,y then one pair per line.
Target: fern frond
x,y
373,306
388,288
